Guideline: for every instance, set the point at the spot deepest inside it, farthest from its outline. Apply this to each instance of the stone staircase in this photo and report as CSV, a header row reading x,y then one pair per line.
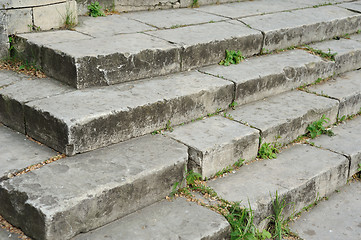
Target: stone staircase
x,y
116,81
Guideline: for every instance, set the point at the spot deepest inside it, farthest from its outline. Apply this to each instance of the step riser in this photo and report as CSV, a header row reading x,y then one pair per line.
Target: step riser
x,y
57,211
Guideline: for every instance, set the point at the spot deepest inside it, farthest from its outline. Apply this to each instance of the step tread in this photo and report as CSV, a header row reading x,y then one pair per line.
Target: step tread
x,y
81,193
336,218
298,174
177,219
344,142
286,115
18,152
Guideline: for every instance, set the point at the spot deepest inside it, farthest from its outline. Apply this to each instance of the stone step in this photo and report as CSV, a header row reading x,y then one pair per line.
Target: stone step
x,y
77,194
300,175
336,218
76,121
177,219
284,117
81,60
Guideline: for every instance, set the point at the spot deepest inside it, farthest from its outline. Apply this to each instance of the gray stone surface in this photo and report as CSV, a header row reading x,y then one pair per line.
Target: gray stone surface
x,y
108,60
110,25
16,21
200,48
345,141
87,191
174,18
10,77
251,8
5,235
336,218
304,26
286,116
299,174
18,152
354,6
178,219
348,53
6,4
264,76
215,143
88,119
346,88
14,96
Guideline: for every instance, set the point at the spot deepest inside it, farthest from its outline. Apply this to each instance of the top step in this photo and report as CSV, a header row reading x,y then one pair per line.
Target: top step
x,y
122,48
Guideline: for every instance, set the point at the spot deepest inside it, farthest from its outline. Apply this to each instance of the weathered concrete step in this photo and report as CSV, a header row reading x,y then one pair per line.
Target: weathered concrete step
x,y
297,27
345,141
346,88
77,121
336,218
215,143
300,175
178,219
72,58
347,52
80,193
18,152
284,117
268,75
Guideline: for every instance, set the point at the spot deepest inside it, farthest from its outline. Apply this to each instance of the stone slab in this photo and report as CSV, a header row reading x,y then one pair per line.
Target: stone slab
x,y
110,25
174,18
353,6
345,142
251,8
199,48
87,191
9,77
173,220
108,60
54,16
84,120
6,4
348,53
215,143
299,174
346,88
264,76
286,116
14,96
336,218
18,152
16,21
298,27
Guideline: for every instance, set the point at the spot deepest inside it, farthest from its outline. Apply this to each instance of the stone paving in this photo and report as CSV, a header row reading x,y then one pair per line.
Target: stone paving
x,y
213,116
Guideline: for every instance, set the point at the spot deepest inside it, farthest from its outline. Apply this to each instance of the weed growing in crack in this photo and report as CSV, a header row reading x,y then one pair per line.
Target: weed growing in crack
x,y
232,57
317,127
268,150
326,55
95,10
195,4
230,168
278,221
233,105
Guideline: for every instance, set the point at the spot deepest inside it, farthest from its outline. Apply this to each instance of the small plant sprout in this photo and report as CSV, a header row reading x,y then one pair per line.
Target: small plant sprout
x,y
277,219
317,128
195,4
233,105
168,126
232,57
95,10
192,177
268,151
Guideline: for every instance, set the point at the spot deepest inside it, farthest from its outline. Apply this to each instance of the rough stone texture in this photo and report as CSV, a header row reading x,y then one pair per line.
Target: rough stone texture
x,y
16,21
345,142
346,88
348,53
88,119
300,175
54,16
108,60
215,143
84,192
13,98
200,48
5,235
178,219
304,26
6,4
354,6
17,152
286,116
10,77
251,8
174,18
110,25
336,218
264,76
